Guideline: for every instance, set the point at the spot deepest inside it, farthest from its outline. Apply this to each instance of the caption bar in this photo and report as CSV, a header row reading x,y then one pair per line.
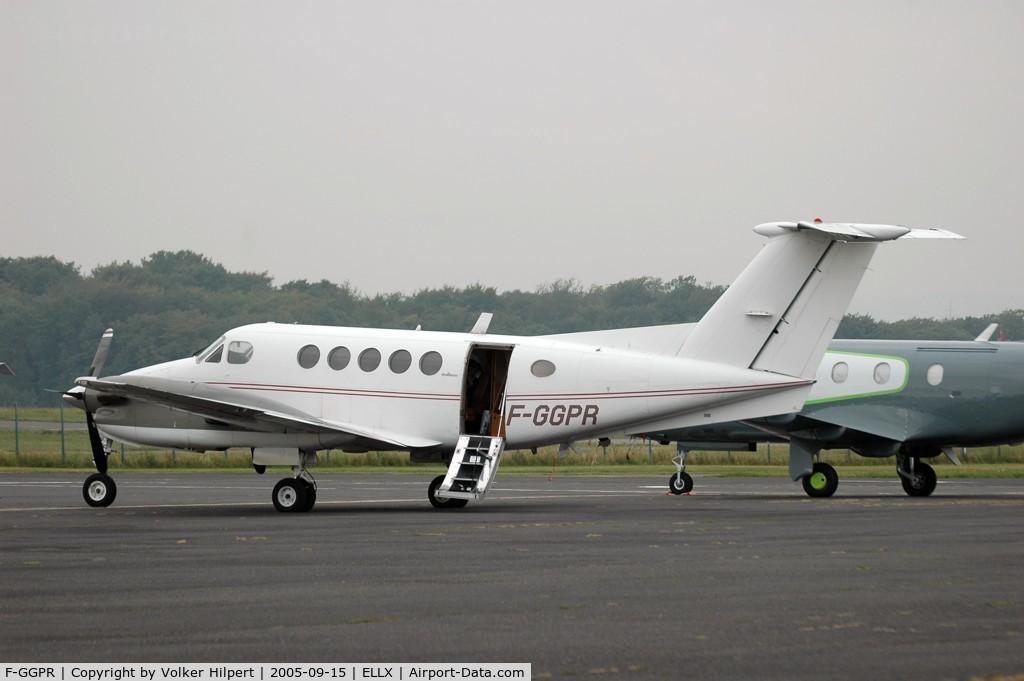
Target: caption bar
x,y
265,672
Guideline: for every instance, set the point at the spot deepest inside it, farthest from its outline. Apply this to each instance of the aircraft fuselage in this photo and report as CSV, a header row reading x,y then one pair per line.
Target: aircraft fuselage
x,y
365,388
875,396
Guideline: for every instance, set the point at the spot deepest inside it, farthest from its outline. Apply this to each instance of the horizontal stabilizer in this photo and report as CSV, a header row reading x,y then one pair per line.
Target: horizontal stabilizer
x,y
842,231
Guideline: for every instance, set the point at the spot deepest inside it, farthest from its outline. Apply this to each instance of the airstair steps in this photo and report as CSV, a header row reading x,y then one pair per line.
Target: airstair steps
x,y
473,466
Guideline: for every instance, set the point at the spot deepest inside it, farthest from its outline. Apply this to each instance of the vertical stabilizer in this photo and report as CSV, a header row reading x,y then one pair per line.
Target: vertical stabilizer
x,y
800,339
783,309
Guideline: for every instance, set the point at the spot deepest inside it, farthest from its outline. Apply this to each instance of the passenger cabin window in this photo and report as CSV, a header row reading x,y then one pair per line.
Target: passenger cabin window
x,y
369,359
882,373
840,372
935,374
542,368
400,361
215,356
308,356
339,358
239,352
430,363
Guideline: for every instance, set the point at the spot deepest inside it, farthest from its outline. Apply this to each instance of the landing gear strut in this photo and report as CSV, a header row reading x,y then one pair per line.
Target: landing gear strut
x,y
681,482
99,489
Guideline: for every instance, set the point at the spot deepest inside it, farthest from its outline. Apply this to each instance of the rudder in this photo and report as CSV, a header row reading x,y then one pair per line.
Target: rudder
x,y
781,312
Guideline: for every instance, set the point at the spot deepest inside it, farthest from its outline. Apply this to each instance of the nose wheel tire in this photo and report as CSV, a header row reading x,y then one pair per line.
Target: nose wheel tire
x,y
99,490
680,483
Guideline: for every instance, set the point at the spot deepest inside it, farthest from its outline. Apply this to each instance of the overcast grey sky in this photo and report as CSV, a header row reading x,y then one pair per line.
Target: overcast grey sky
x,y
406,145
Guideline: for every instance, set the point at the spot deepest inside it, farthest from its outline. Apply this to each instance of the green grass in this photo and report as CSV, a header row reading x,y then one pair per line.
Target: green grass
x,y
49,414
34,450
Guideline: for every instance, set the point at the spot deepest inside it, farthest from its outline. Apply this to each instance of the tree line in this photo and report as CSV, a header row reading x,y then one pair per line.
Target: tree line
x,y
172,304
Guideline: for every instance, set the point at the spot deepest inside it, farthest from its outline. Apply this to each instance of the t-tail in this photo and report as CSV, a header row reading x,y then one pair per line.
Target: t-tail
x,y
782,311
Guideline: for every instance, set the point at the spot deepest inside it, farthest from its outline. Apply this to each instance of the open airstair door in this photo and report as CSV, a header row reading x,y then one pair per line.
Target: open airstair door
x,y
482,441
483,390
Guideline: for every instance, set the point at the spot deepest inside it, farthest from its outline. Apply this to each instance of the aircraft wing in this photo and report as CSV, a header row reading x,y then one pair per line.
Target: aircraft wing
x,y
880,421
865,428
241,410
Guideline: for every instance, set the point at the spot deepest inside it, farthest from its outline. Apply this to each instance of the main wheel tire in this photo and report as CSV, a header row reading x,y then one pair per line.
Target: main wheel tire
x,y
99,490
437,502
680,483
822,482
289,495
310,497
922,482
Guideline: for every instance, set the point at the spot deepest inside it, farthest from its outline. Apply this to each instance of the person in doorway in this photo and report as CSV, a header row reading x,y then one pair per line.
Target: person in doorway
x,y
478,386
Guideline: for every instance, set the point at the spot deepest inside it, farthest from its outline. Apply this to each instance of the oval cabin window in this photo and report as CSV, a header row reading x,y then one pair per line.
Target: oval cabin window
x,y
935,374
309,355
369,359
400,361
882,373
840,372
339,358
430,363
542,368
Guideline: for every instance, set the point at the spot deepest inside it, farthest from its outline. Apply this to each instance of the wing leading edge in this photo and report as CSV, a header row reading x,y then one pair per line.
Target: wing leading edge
x,y
243,411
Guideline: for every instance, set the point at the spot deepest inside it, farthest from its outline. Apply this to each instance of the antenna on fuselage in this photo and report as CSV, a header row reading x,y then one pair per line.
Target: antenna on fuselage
x,y
482,323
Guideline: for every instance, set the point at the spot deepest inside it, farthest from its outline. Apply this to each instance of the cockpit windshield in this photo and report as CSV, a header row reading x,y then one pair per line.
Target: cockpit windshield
x,y
205,353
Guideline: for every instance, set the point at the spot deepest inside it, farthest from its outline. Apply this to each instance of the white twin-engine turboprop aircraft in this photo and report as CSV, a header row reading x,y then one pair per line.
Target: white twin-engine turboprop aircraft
x,y
287,391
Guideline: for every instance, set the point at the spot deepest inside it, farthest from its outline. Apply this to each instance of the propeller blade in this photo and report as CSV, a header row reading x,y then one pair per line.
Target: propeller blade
x,y
101,353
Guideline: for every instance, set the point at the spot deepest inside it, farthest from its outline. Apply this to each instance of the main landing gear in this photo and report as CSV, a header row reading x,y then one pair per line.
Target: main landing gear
x,y
918,478
823,480
297,494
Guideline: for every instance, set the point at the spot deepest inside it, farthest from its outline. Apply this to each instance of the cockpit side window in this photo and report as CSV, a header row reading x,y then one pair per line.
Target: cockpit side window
x,y
239,352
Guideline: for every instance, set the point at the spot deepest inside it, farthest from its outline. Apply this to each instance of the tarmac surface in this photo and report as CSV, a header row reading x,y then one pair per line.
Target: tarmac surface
x,y
592,577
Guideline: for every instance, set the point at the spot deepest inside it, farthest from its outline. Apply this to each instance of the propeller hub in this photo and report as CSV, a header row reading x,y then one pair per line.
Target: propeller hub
x,y
75,397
